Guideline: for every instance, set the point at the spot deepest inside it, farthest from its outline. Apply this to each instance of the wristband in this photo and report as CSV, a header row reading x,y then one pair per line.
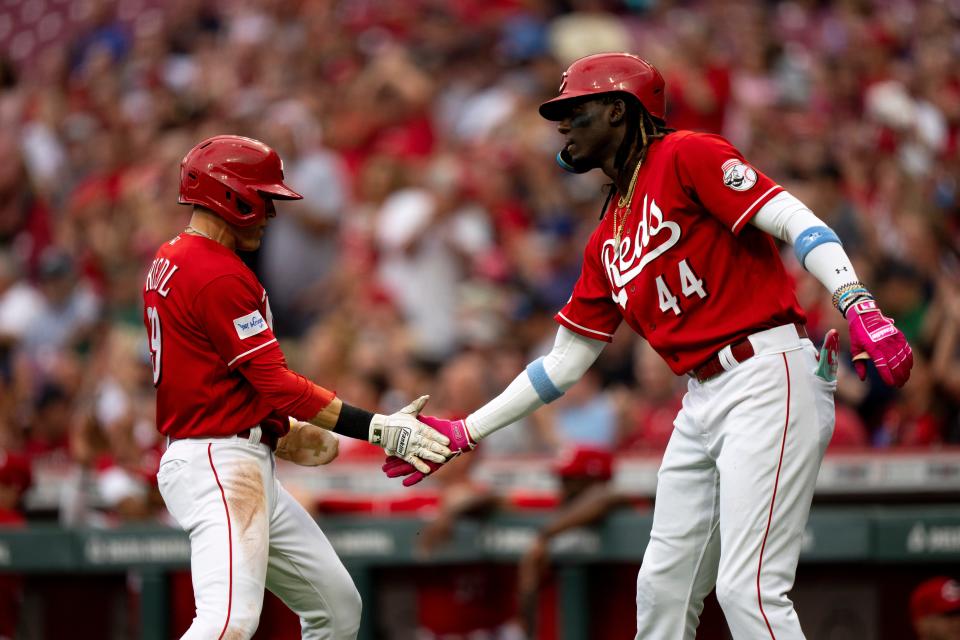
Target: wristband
x,y
811,239
353,422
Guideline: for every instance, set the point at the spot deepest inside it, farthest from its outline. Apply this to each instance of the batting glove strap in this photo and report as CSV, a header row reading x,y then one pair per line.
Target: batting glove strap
x,y
456,430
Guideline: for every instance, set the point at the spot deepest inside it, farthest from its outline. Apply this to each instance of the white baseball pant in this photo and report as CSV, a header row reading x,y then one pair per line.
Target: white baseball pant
x,y
734,492
247,533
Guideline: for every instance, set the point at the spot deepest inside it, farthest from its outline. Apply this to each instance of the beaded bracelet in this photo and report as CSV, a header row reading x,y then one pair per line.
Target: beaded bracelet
x,y
849,294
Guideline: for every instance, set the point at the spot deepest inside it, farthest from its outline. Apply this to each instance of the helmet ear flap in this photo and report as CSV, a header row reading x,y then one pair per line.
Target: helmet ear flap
x,y
246,204
567,163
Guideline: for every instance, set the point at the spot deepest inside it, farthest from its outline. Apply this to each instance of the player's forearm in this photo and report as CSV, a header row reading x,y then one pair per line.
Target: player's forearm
x,y
517,401
291,394
328,416
543,381
284,390
816,245
586,509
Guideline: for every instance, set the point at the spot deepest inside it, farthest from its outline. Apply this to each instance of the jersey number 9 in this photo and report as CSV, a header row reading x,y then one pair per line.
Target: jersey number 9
x,y
153,315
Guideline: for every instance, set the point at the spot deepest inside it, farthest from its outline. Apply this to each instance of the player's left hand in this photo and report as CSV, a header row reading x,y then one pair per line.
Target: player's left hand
x,y
460,442
874,337
308,445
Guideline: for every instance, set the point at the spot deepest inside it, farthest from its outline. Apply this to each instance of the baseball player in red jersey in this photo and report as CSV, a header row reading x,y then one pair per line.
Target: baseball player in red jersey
x,y
224,395
685,254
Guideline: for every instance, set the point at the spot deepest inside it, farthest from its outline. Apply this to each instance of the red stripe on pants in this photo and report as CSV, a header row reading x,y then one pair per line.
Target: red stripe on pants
x,y
229,539
773,500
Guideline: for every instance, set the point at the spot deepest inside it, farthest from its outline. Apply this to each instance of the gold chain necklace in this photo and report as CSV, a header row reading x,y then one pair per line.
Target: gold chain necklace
x,y
195,231
623,204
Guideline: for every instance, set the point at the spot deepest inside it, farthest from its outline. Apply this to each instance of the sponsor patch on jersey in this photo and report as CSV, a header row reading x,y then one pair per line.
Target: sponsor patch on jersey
x,y
249,325
738,175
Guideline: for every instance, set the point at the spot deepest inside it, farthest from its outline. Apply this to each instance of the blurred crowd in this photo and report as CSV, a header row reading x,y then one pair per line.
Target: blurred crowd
x,y
437,237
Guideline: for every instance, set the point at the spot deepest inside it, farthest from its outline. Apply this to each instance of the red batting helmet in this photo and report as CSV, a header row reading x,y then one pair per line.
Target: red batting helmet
x,y
607,73
585,462
233,176
934,597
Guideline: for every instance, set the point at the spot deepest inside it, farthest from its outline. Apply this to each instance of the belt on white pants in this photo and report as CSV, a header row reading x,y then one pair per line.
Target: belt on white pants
x,y
254,435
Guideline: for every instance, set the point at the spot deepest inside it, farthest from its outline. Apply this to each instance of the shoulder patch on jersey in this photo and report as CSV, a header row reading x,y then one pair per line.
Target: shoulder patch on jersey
x,y
738,175
249,325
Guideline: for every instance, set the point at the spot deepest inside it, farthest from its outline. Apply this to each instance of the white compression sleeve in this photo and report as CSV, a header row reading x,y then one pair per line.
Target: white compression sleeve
x,y
544,380
785,217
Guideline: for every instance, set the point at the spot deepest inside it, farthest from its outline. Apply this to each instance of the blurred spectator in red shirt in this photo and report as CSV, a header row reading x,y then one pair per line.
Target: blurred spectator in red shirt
x,y
587,495
943,331
848,431
47,439
15,479
464,600
910,420
14,482
25,218
698,80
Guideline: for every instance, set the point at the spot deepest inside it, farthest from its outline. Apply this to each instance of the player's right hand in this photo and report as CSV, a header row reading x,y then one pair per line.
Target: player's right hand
x,y
402,435
874,337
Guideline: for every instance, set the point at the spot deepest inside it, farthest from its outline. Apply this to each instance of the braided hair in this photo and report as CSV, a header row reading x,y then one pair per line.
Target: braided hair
x,y
642,129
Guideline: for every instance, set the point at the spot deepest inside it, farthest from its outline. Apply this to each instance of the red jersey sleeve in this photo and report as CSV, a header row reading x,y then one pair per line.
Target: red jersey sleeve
x,y
591,310
230,309
714,173
288,392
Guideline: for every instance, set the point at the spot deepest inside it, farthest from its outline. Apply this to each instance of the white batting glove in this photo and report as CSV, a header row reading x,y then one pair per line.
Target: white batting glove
x,y
402,435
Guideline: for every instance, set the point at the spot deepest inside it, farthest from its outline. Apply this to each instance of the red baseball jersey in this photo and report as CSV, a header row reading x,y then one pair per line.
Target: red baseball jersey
x,y
206,314
691,275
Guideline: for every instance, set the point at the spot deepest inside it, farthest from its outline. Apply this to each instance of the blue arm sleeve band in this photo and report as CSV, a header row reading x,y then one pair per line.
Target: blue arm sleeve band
x,y
812,238
541,382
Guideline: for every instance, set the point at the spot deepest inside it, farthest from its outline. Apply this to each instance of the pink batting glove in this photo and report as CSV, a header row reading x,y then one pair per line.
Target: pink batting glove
x,y
873,337
396,467
460,442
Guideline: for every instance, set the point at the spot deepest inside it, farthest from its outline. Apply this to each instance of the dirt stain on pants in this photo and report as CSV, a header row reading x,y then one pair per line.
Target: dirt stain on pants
x,y
247,500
